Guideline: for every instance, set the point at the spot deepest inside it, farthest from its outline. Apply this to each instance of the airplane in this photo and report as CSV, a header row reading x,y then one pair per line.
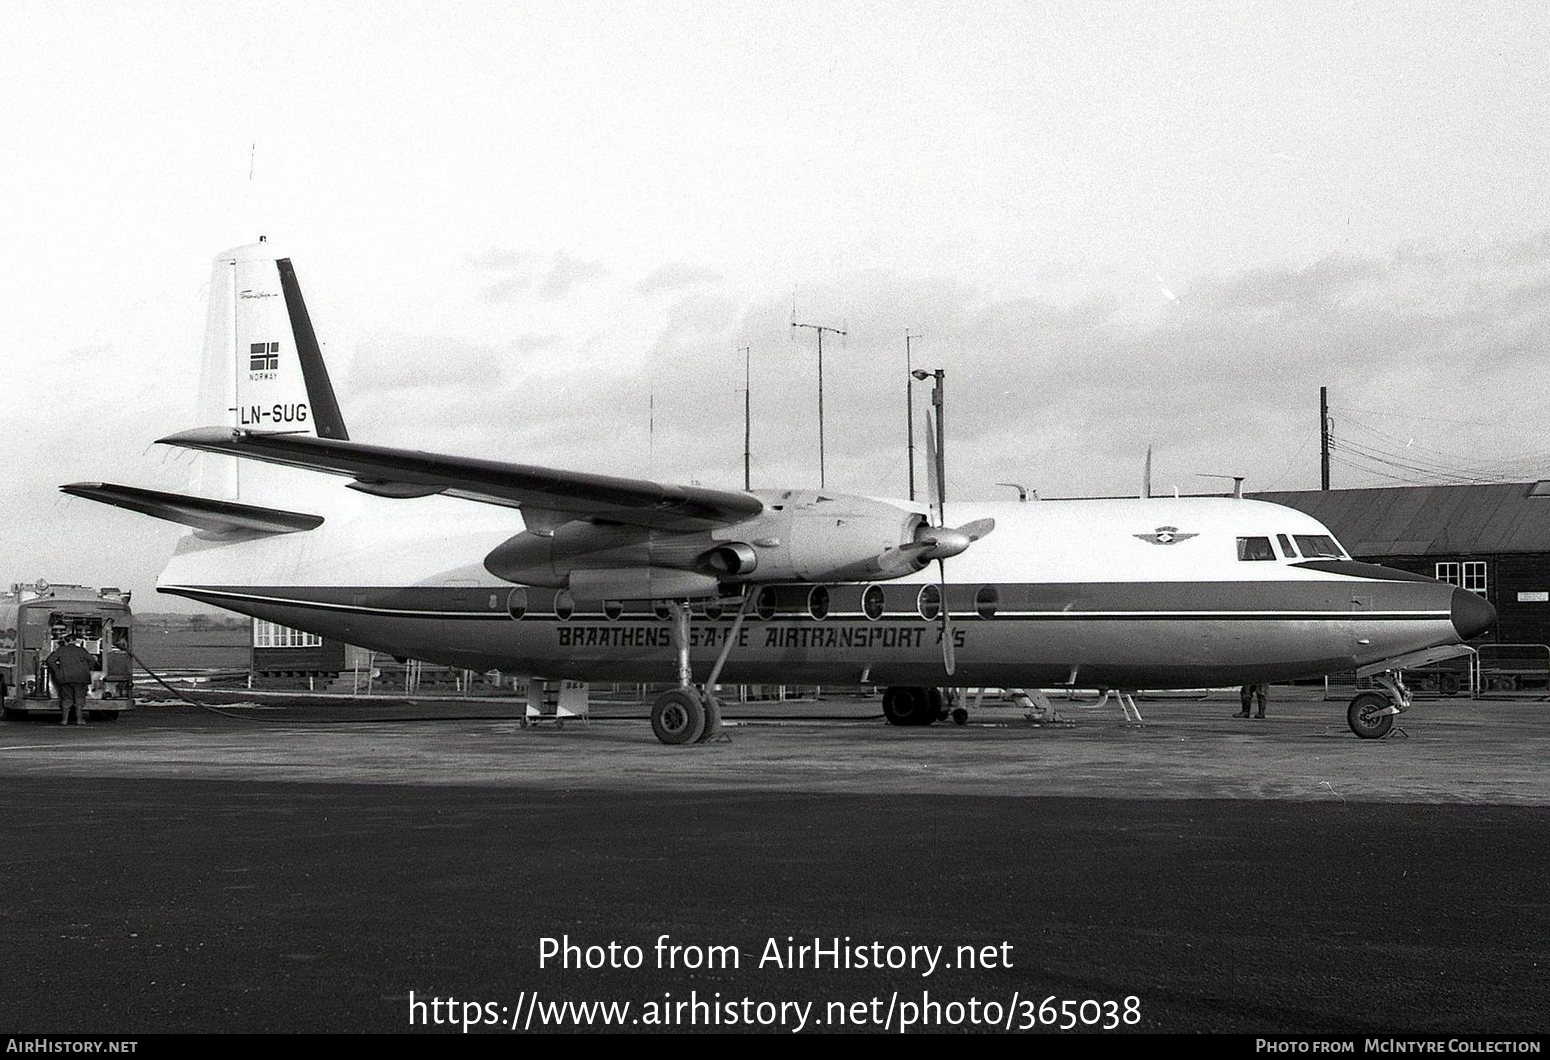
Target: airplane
x,y
488,565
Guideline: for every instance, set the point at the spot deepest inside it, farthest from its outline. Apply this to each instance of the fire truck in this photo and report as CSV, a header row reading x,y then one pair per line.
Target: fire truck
x,y
35,619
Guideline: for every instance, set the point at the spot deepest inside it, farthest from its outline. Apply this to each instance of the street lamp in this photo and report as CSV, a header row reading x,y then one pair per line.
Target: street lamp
x,y
936,401
909,408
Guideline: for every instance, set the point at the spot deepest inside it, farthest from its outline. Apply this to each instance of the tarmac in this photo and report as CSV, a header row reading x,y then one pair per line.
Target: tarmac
x,y
291,865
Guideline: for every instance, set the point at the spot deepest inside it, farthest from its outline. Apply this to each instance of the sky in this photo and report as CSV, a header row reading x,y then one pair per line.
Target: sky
x,y
544,233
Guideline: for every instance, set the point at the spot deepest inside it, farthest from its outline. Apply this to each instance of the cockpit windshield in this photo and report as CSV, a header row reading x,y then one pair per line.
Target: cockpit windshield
x,y
1318,546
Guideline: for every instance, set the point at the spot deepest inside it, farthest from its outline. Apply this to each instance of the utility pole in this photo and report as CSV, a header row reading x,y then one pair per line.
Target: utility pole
x,y
909,406
1324,438
747,413
820,328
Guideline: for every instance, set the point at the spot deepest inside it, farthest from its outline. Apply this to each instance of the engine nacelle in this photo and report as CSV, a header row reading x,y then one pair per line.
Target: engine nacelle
x,y
737,559
823,537
801,536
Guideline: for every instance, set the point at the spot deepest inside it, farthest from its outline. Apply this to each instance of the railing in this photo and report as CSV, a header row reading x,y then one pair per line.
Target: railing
x,y
1492,670
1512,669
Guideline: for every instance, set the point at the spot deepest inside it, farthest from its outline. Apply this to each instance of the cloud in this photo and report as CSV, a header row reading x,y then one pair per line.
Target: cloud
x,y
566,273
496,258
677,275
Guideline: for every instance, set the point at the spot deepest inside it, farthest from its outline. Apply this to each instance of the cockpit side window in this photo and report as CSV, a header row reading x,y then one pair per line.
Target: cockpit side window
x,y
1286,546
1255,548
1319,546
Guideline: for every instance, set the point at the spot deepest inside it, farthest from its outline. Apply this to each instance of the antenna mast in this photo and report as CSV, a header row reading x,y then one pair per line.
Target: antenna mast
x,y
747,414
820,328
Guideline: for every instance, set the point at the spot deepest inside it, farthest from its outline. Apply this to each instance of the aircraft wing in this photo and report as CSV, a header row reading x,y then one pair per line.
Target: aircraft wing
x,y
547,495
216,517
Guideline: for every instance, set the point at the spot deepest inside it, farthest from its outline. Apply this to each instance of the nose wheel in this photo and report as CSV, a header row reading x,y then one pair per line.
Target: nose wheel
x,y
1371,713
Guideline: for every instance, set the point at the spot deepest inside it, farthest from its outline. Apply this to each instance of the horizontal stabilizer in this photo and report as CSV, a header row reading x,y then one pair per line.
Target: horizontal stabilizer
x,y
411,473
219,517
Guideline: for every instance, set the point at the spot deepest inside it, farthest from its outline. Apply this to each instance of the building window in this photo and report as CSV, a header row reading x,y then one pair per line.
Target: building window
x,y
273,635
1470,575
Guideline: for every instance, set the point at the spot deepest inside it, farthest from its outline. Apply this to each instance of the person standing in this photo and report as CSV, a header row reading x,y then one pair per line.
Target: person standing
x,y
70,666
1252,693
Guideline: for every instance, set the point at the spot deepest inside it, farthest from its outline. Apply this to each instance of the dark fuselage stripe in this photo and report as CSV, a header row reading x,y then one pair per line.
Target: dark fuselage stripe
x,y
215,596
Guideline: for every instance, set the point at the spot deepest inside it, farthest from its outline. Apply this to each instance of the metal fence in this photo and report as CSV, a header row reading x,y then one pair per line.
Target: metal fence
x,y
1493,670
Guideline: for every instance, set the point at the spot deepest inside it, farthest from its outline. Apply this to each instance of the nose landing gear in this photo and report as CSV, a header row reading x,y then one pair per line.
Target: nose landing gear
x,y
1371,713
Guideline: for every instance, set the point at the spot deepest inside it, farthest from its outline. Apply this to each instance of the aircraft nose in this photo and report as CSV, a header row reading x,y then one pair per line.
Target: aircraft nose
x,y
1472,614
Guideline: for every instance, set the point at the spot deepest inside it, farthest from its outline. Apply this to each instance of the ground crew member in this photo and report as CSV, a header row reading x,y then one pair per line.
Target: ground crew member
x,y
70,666
1249,693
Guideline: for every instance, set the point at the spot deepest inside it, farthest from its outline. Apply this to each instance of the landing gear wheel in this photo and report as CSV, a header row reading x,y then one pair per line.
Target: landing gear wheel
x,y
938,701
907,706
678,716
960,716
712,718
1364,718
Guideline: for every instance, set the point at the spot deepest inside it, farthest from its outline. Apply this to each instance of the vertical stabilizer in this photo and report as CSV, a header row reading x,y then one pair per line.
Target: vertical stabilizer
x,y
263,368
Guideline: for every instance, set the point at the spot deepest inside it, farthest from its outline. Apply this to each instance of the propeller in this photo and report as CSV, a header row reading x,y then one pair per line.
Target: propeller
x,y
941,542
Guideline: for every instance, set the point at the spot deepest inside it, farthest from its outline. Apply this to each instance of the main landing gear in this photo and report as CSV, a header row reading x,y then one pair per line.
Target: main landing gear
x,y
906,705
687,714
1372,713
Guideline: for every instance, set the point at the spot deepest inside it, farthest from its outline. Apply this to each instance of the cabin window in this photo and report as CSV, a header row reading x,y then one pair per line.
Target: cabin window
x,y
872,602
985,601
929,602
712,609
516,603
765,605
1286,546
564,605
818,600
662,609
1255,548
612,609
1319,546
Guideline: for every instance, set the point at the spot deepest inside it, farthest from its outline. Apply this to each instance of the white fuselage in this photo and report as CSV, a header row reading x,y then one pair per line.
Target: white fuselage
x,y
1096,593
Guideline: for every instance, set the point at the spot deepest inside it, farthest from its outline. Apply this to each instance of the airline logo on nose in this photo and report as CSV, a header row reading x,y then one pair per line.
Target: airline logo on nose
x,y
1166,535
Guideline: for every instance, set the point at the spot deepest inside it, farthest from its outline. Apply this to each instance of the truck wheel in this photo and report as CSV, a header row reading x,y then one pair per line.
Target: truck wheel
x,y
1449,684
1364,718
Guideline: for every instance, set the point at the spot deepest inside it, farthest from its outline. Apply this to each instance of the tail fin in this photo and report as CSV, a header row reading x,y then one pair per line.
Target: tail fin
x,y
263,369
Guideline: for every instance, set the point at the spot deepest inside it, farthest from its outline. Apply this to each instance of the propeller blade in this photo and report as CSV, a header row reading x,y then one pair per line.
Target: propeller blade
x,y
949,659
977,529
933,480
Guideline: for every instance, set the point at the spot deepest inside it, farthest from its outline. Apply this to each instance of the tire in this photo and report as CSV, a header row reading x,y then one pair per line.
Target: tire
x,y
938,700
712,719
960,716
678,716
1449,684
907,705
1362,717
